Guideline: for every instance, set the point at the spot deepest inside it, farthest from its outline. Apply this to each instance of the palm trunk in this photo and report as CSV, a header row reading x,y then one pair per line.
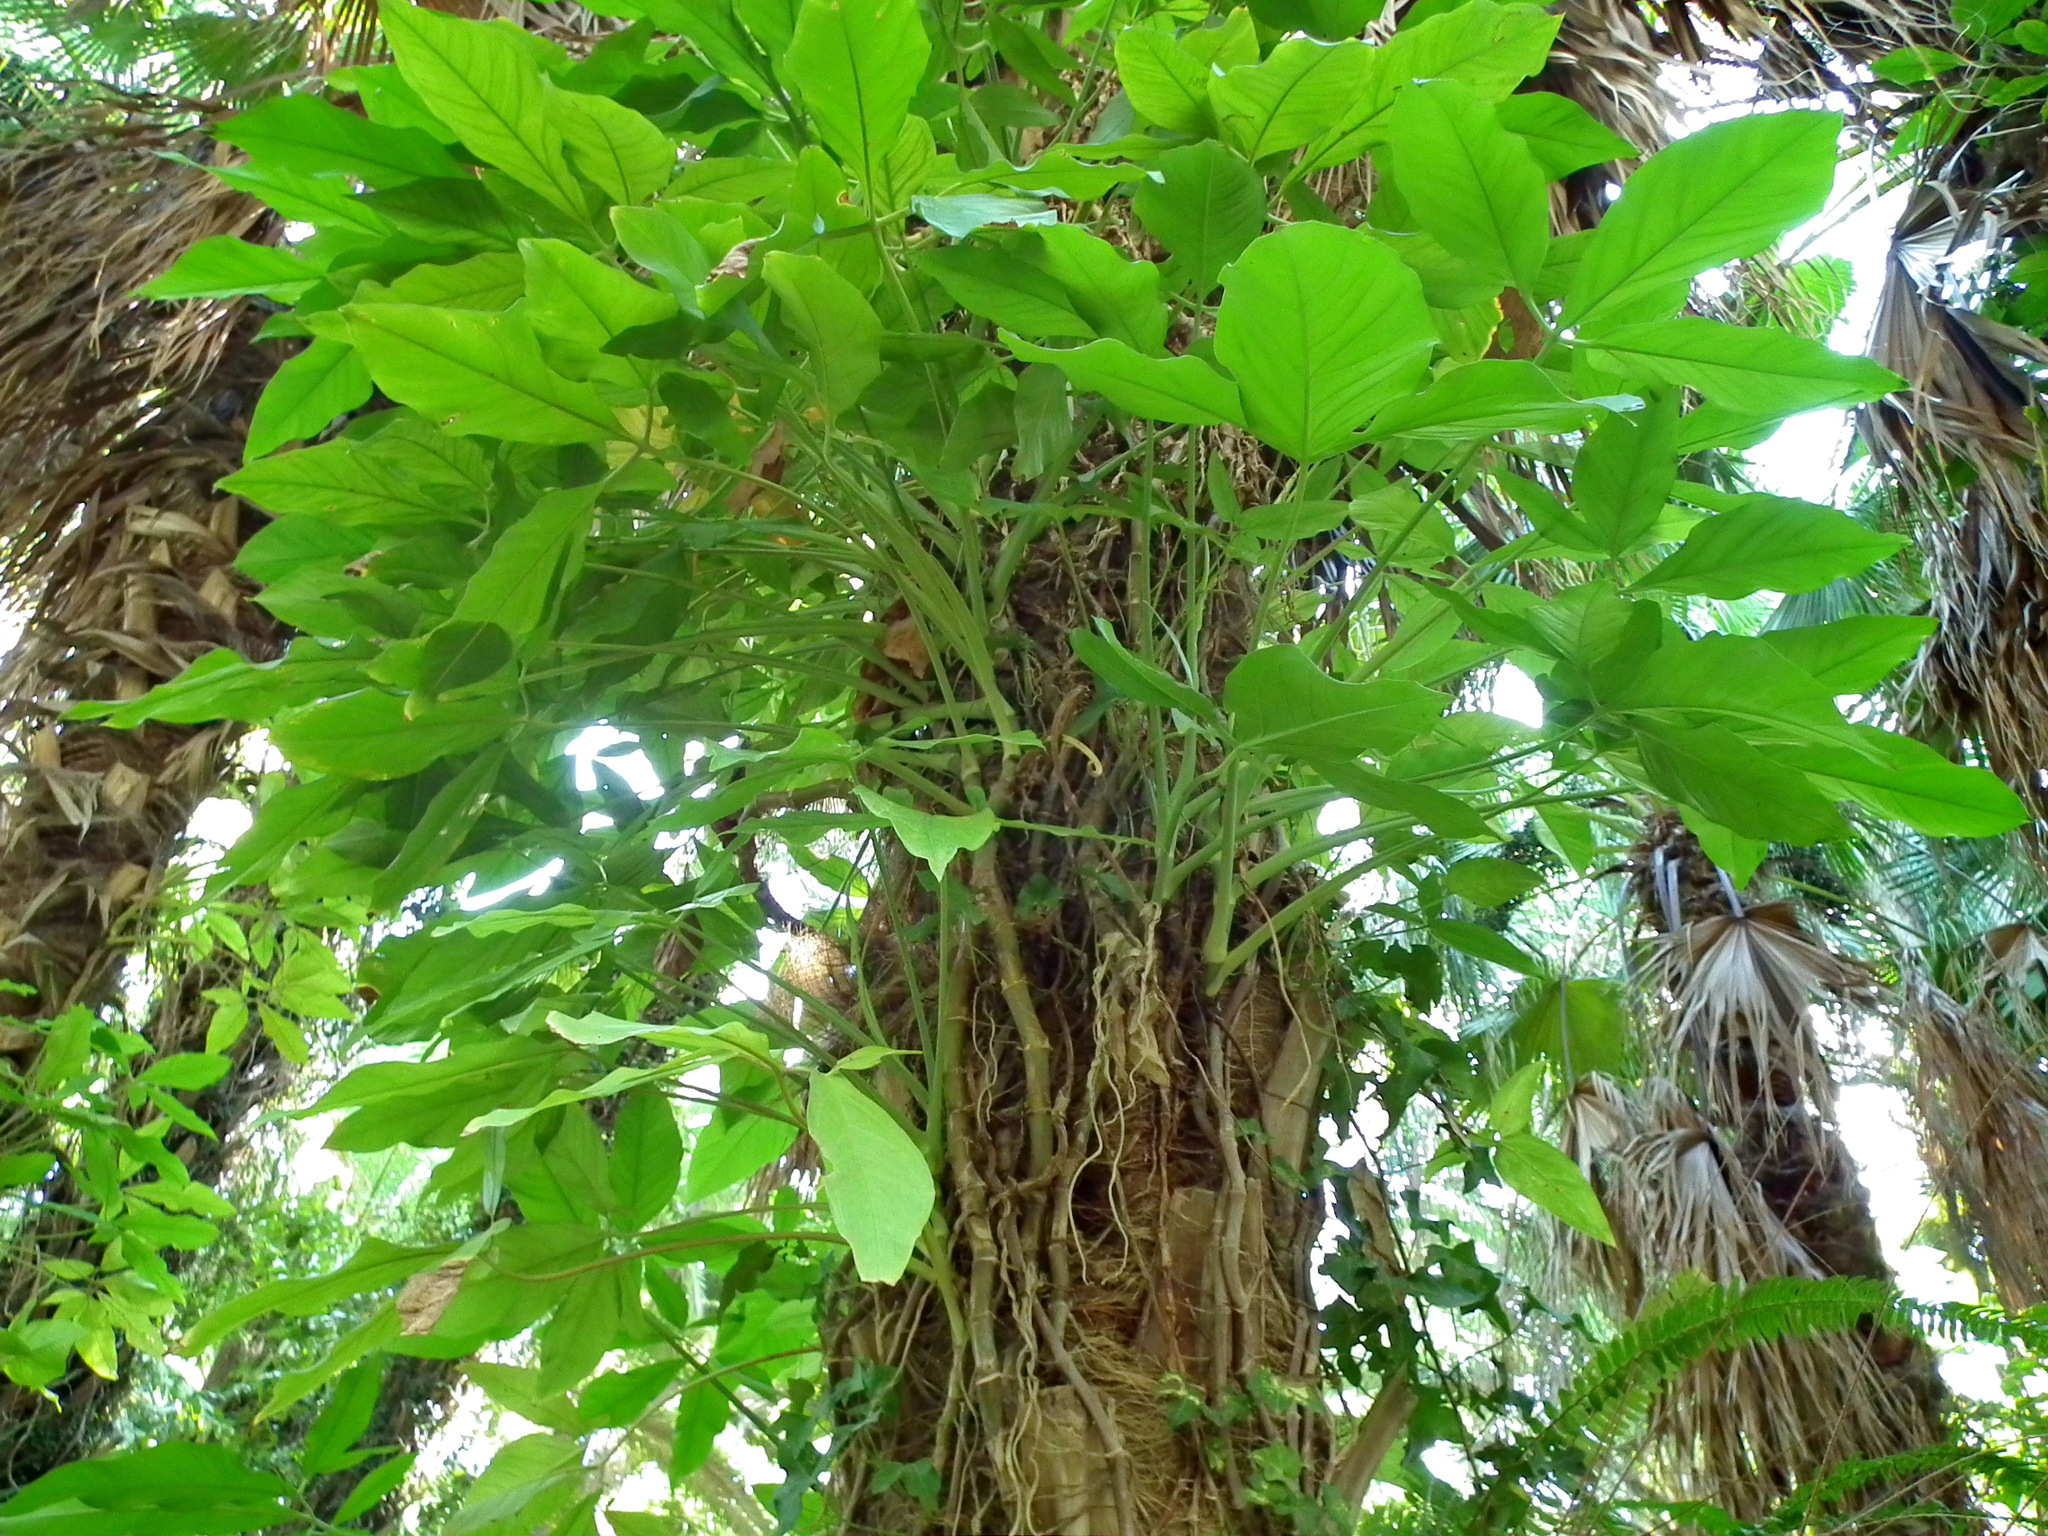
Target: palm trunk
x,y
1753,1184
117,418
1129,1243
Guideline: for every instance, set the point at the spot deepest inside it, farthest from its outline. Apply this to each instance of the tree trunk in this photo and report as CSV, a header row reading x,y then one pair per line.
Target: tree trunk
x,y
1128,1313
116,417
1767,1096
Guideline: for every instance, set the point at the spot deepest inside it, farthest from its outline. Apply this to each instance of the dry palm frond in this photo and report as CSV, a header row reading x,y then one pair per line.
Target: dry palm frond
x,y
1742,990
1984,1109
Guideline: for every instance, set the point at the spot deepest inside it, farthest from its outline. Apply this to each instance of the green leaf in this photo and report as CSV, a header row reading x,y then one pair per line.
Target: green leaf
x,y
658,239
374,1488
342,1422
1282,702
1749,368
1562,135
1915,66
429,1103
1266,109
1852,655
647,1158
408,474
617,1399
1483,943
1581,1025
366,735
1471,183
1747,791
1176,389
1136,678
835,322
1536,1170
1321,326
1167,85
176,1489
481,79
1443,814
1512,1109
935,839
1490,882
1718,195
572,295
1205,205
961,216
222,267
624,154
1770,544
516,583
1480,399
477,373
376,1266
308,133
1905,780
1983,20
701,1414
734,1145
876,1183
1006,289
326,380
22,1168
857,63
1624,475
462,652
187,1071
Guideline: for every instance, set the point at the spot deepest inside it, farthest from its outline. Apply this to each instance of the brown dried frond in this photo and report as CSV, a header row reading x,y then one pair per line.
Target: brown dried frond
x,y
1743,986
1984,1114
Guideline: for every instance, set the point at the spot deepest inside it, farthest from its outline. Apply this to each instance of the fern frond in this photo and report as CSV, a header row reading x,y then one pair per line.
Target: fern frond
x,y
1699,1319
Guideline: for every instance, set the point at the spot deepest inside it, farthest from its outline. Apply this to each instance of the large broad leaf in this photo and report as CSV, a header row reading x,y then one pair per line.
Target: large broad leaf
x,y
366,735
1744,789
573,296
1282,702
516,583
836,325
1852,655
1136,678
1906,780
1321,327
1118,297
1490,48
1177,389
222,267
1562,135
1471,183
476,372
309,133
1536,1170
1480,399
1205,205
1581,1025
1265,109
613,146
856,64
482,80
1770,544
1723,193
935,839
1748,368
1167,85
326,380
1624,475
876,1183
1005,288
429,1103
1432,808
165,1490
409,475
